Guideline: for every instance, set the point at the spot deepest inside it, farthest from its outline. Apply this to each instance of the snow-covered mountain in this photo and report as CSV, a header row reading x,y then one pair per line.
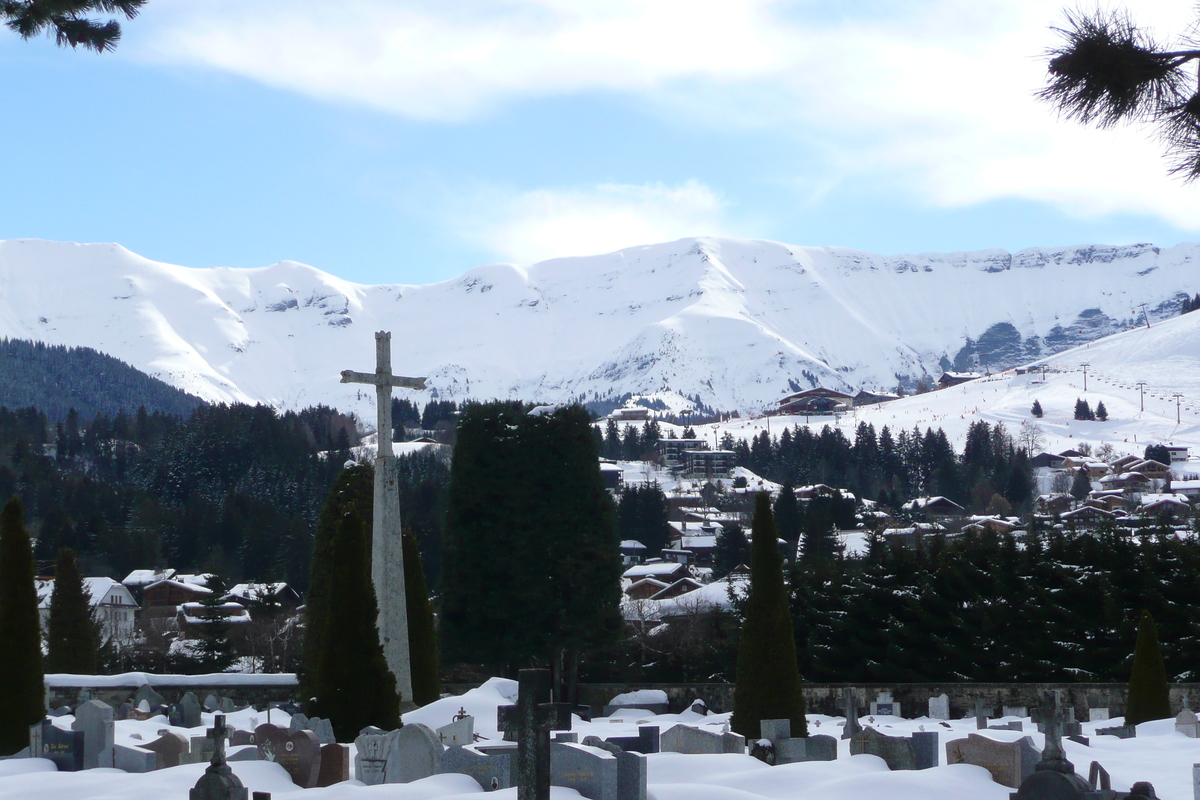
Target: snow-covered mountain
x,y
733,323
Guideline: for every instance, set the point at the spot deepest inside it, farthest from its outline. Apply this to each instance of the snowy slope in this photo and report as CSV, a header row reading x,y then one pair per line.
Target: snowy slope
x,y
731,322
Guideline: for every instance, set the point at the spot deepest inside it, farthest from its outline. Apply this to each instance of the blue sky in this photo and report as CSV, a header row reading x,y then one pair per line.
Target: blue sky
x,y
409,141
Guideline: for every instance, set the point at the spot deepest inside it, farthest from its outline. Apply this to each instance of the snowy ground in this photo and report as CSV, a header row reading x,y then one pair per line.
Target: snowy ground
x,y
1158,754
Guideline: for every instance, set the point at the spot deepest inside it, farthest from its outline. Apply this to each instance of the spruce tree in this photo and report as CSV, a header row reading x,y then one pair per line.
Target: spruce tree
x,y
354,686
216,650
732,549
1149,694
787,515
20,631
1101,412
71,639
768,680
1037,409
422,635
1081,485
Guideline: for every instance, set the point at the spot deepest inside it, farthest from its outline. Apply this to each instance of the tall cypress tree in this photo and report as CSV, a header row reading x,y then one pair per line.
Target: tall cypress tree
x,y
354,687
422,636
71,640
20,631
1149,694
768,680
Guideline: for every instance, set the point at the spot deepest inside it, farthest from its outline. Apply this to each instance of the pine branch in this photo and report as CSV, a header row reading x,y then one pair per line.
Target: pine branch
x,y
68,22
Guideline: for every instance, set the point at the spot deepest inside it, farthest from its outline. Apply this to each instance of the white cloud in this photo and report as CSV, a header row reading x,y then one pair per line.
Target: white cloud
x,y
533,226
932,100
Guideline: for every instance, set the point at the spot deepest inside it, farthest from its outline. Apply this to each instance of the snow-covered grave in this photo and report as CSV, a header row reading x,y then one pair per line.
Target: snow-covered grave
x,y
1159,753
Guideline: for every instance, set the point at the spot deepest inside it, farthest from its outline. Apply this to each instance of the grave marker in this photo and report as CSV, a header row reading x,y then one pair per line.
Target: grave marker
x,y
171,748
850,709
885,706
95,720
413,754
899,752
134,759
298,752
189,711
590,771
939,707
335,764
373,746
460,731
1097,714
1187,724
64,748
218,781
531,720
492,770
1008,762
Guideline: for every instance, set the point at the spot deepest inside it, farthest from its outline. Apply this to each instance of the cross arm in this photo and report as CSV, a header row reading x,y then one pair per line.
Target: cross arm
x,y
374,379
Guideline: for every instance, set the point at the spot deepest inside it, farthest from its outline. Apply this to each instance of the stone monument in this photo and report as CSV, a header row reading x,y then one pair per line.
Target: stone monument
x,y
531,720
387,553
218,781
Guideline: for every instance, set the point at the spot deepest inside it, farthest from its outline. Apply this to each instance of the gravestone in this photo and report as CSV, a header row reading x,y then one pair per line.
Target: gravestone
x,y
146,694
1195,781
218,781
189,710
1120,731
632,776
460,731
492,770
590,771
1008,762
566,737
1015,725
733,743
202,749
1053,776
171,748
647,741
885,706
245,752
1015,711
1097,714
413,754
299,722
899,752
134,759
335,764
373,748
61,711
94,719
298,752
122,712
212,703
939,707
693,741
323,728
981,716
788,750
1187,724
240,738
64,748
531,720
850,710
387,554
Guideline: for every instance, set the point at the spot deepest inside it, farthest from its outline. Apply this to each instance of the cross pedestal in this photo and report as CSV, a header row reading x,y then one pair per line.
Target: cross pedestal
x,y
532,719
387,552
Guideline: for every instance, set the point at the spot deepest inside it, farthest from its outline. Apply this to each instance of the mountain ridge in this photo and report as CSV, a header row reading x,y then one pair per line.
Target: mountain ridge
x,y
733,324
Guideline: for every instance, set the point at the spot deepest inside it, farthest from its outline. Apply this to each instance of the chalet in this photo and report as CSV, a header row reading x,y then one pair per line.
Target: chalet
x,y
190,617
1122,464
677,555
702,548
991,525
1051,460
816,401
112,604
630,414
162,598
912,533
689,528
614,476
1086,515
955,378
1189,489
1155,470
666,571
670,451
1054,503
681,586
934,507
264,595
1114,501
632,552
1178,452
1095,469
1171,506
707,464
1130,481
865,398
645,588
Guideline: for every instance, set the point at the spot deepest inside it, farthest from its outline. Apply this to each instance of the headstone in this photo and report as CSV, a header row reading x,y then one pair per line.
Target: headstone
x,y
201,749
693,741
226,705
218,781
885,706
1080,739
95,720
1008,762
123,710
774,729
1195,781
240,738
632,776
531,721
413,755
596,741
299,722
1015,725
698,707
175,715
64,748
1120,731
916,752
323,728
566,737
335,764
1097,714
387,554
171,748
1187,724
245,752
850,709
1054,776
460,731
61,711
298,752
981,716
939,707
146,694
189,709
492,770
134,759
1015,711
371,758
212,703
647,741
589,771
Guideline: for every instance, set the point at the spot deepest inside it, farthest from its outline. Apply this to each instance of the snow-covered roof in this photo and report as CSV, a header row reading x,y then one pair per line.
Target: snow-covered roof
x,y
234,613
256,591
696,542
632,544
1163,498
192,587
650,569
144,577
98,590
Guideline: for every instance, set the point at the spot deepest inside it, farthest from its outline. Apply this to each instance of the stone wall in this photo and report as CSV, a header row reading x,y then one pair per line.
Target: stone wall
x,y
244,690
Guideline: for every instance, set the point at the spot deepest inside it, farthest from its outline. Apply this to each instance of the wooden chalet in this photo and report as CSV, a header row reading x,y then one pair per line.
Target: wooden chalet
x,y
1155,470
645,588
1087,515
955,378
681,586
865,398
935,507
1051,504
162,598
816,401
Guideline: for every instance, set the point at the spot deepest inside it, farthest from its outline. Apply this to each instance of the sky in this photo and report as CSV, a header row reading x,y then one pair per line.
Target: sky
x,y
389,141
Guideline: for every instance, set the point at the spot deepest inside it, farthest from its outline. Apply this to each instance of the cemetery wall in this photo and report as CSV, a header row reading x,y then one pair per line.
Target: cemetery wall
x,y
255,689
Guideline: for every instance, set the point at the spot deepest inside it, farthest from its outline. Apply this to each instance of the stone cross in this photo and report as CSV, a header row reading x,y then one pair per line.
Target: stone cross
x,y
1052,717
387,554
850,705
532,719
219,732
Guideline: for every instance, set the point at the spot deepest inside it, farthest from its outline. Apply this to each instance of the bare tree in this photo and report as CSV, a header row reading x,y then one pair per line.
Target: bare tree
x,y
1031,438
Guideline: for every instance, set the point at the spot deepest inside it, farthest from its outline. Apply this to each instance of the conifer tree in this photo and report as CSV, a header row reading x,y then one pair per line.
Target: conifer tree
x,y
787,515
1101,412
20,631
216,650
1037,409
1081,485
1148,690
422,635
768,680
71,639
354,686
732,549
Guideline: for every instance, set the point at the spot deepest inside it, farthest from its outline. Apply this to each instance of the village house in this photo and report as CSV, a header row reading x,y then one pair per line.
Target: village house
x,y
630,414
264,595
816,401
633,552
991,525
1051,504
163,598
865,398
1155,470
1086,515
681,586
670,451
708,464
645,588
1178,452
1170,506
701,548
613,475
1122,464
1189,489
665,571
189,617
949,379
1095,469
112,604
1110,500
935,508
1127,481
